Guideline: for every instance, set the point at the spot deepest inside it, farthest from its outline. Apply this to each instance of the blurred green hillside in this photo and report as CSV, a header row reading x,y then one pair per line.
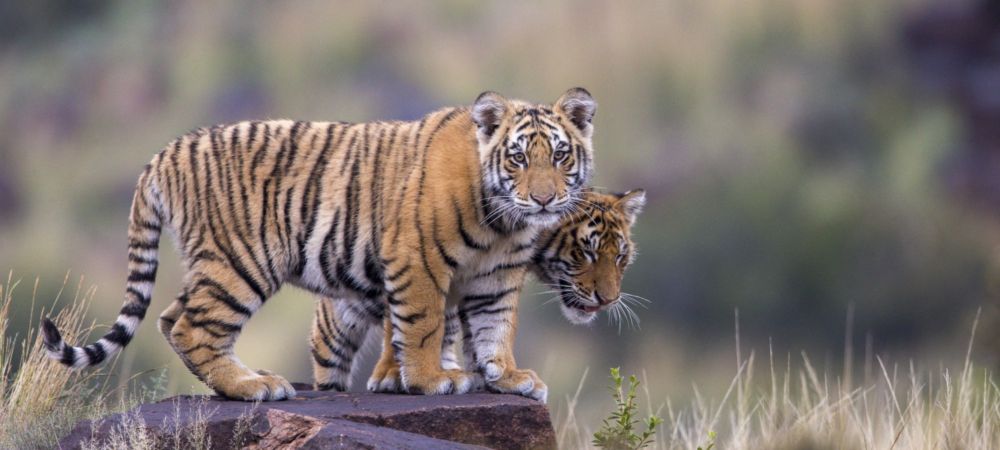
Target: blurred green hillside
x,y
794,162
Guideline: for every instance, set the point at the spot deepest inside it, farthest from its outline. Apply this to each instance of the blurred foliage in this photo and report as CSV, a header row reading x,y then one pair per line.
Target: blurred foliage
x,y
792,163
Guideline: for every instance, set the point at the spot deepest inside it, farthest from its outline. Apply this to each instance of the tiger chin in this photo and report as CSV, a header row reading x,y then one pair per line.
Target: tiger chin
x,y
585,255
404,214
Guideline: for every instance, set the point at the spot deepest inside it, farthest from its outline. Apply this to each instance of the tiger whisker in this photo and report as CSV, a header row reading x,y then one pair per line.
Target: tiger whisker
x,y
637,297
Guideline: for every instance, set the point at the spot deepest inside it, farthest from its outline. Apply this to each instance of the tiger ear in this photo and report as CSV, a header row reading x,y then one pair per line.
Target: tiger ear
x,y
487,113
579,107
631,203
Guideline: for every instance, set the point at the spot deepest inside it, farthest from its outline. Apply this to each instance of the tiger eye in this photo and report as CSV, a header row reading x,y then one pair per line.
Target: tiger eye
x,y
519,157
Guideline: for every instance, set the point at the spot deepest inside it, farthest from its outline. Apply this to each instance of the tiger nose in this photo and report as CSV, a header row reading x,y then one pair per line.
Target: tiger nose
x,y
543,199
602,299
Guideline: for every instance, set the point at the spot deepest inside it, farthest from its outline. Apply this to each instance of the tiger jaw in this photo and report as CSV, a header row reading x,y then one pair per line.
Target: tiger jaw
x,y
543,218
579,311
579,315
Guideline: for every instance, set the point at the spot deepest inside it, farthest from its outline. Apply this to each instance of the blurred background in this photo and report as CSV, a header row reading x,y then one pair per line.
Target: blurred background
x,y
828,168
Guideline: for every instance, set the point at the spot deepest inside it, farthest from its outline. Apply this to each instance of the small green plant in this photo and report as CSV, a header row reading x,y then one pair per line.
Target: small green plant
x,y
618,432
711,442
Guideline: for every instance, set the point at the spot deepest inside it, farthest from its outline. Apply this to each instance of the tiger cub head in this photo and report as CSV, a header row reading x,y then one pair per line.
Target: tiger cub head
x,y
536,159
585,257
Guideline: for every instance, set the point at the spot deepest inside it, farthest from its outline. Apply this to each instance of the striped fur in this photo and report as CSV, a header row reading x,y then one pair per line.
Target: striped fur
x,y
406,214
583,259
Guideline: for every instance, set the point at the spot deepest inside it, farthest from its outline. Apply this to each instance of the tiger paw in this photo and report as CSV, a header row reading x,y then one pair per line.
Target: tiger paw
x,y
437,382
260,386
522,382
387,380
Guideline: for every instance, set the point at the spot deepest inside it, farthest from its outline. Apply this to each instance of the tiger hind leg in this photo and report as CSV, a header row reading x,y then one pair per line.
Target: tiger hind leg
x,y
339,329
385,377
169,317
215,311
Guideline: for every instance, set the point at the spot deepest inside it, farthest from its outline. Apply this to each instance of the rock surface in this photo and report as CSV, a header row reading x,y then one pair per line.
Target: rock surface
x,y
316,419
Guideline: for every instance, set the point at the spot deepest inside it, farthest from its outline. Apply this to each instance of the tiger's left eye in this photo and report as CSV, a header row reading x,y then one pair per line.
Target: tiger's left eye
x,y
559,154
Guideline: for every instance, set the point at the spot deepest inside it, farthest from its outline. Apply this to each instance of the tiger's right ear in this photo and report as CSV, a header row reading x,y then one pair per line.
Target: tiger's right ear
x,y
487,113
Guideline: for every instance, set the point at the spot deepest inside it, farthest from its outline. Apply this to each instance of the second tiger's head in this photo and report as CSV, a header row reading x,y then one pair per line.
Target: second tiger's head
x,y
536,159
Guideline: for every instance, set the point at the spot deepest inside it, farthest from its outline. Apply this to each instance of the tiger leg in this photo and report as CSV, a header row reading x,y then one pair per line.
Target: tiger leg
x,y
169,317
418,324
339,329
214,314
452,326
491,323
385,377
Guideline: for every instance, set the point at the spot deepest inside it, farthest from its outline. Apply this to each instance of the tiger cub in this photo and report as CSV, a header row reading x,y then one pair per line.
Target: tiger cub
x,y
583,259
405,213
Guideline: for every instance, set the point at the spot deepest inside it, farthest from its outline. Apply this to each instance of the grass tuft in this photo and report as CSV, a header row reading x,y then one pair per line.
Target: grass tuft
x,y
41,400
898,408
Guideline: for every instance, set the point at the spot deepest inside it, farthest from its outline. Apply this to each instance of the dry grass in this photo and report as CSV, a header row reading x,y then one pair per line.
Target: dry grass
x,y
42,400
895,408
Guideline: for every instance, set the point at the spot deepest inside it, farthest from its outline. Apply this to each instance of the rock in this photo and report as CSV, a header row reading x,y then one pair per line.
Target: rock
x,y
317,419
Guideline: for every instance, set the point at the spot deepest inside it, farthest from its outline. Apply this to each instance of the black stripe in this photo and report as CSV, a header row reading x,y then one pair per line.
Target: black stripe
x,y
95,353
448,259
334,333
136,276
140,223
119,335
325,250
206,323
218,292
141,260
411,318
137,244
348,280
329,363
139,296
487,298
423,341
67,355
485,309
499,267
134,310
393,277
402,287
466,237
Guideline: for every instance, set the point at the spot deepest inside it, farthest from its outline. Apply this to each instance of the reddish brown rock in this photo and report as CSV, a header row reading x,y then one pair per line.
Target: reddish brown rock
x,y
335,420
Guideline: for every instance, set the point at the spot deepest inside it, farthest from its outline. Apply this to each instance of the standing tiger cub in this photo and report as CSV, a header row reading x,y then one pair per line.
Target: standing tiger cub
x,y
406,213
583,260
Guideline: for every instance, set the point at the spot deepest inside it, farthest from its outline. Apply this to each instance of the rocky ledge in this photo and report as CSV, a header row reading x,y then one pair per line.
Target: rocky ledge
x,y
315,419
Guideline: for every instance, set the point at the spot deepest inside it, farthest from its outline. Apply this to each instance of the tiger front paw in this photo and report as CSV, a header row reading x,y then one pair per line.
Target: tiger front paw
x,y
434,382
387,380
522,382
